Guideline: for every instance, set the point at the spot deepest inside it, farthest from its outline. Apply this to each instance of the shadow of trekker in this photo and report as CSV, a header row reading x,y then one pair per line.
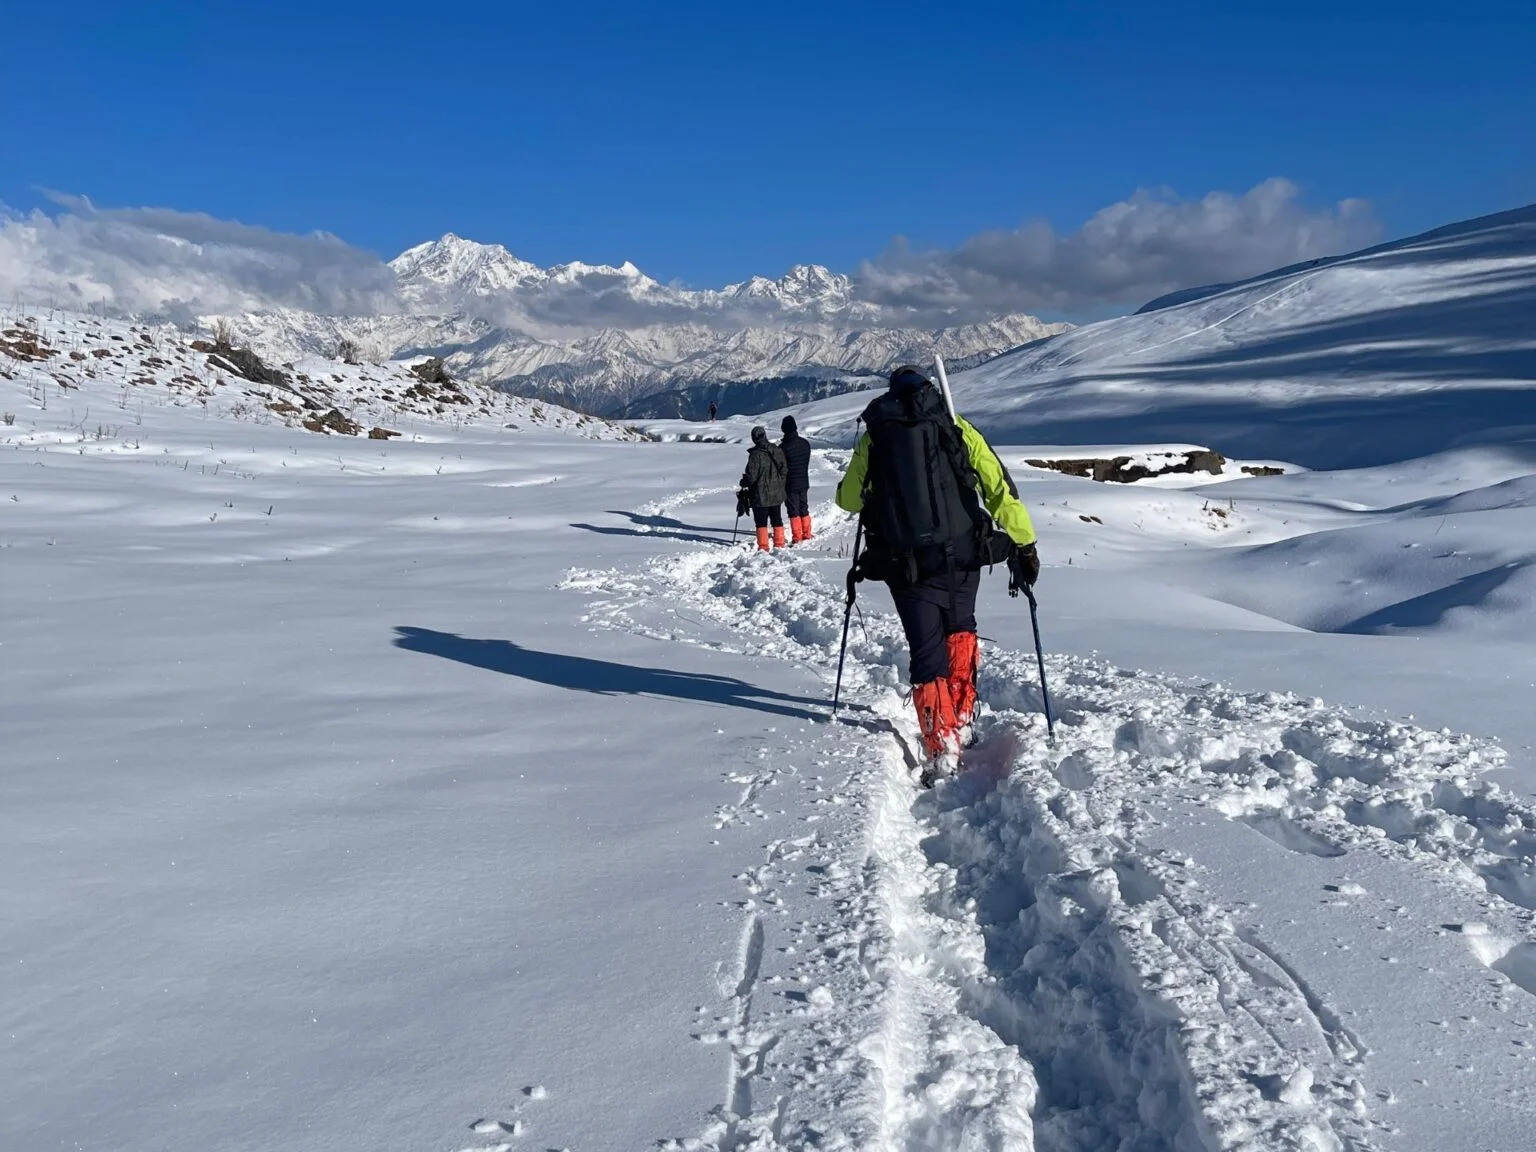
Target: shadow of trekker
x,y
664,527
646,521
603,677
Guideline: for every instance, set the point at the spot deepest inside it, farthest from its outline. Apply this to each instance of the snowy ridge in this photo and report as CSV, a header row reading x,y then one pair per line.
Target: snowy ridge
x,y
1027,958
614,367
453,270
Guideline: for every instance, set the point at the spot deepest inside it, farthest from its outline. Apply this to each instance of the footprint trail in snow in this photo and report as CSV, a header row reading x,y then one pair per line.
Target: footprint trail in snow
x,y
1031,956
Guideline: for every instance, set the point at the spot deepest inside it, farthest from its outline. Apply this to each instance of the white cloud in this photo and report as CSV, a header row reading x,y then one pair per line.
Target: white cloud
x,y
157,261
1125,255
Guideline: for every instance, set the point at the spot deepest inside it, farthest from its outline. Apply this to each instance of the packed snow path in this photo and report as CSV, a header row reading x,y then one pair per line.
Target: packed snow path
x,y
1204,919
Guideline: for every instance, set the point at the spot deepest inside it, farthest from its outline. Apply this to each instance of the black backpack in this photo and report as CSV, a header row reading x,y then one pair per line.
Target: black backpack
x,y
922,508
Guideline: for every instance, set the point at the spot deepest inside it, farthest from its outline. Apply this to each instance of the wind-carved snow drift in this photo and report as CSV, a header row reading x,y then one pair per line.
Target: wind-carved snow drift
x,y
600,338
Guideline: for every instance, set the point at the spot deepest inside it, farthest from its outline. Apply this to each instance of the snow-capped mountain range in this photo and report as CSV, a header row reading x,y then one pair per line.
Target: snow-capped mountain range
x,y
600,338
457,273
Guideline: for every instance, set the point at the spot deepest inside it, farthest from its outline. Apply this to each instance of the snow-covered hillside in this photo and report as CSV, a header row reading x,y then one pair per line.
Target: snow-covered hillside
x,y
116,368
599,337
1391,353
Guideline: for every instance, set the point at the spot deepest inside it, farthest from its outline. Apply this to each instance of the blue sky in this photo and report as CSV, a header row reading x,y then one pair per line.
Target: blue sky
x,y
707,142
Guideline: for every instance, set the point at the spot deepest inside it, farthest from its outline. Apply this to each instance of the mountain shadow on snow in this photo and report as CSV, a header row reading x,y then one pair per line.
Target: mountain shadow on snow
x,y
601,677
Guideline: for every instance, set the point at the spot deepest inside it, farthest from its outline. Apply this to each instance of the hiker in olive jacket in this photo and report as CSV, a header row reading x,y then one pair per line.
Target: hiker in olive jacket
x,y
921,474
797,496
762,485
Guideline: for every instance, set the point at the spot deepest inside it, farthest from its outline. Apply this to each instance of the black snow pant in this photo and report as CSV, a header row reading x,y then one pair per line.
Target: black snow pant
x,y
931,611
798,503
763,517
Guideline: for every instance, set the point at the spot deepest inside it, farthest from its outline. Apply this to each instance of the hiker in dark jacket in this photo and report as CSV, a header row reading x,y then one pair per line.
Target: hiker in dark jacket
x,y
938,506
797,488
762,484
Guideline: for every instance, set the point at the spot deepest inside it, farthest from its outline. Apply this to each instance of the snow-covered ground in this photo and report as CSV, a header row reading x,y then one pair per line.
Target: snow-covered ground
x,y
466,789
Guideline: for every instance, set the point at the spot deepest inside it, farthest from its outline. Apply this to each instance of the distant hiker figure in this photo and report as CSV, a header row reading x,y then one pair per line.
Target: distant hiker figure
x,y
712,411
933,495
797,488
762,487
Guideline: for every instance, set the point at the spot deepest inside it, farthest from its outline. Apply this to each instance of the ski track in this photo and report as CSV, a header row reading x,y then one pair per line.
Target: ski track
x,y
1004,962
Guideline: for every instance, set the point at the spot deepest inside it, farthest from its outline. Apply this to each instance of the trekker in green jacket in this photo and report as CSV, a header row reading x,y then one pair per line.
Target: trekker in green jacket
x,y
938,506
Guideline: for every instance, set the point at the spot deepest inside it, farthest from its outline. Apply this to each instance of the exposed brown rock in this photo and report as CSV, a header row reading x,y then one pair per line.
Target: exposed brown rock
x,y
247,365
431,372
333,421
21,344
1120,470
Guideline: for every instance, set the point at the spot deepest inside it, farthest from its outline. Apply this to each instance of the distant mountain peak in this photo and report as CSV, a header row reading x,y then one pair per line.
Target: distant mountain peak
x,y
803,287
599,335
460,266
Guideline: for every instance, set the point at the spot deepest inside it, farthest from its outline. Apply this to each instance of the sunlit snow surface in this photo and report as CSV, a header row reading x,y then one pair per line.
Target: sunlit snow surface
x,y
467,790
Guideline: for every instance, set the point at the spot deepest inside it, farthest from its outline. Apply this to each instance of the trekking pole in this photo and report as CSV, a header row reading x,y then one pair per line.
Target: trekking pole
x,y
1045,692
736,528
853,585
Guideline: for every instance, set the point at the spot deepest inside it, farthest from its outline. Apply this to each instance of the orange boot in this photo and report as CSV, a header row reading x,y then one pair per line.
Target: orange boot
x,y
762,539
936,718
794,529
805,526
964,661
778,536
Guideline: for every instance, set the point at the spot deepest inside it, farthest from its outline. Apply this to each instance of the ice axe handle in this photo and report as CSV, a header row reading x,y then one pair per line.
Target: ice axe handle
x,y
949,397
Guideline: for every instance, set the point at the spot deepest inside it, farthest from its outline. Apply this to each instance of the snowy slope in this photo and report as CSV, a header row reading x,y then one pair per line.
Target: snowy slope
x,y
70,361
1396,352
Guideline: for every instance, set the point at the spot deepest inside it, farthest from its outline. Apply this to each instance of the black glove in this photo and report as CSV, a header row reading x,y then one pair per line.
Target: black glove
x,y
743,503
1023,568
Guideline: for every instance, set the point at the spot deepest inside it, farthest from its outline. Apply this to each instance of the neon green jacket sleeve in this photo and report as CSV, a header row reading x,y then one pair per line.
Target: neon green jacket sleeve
x,y
850,492
996,489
